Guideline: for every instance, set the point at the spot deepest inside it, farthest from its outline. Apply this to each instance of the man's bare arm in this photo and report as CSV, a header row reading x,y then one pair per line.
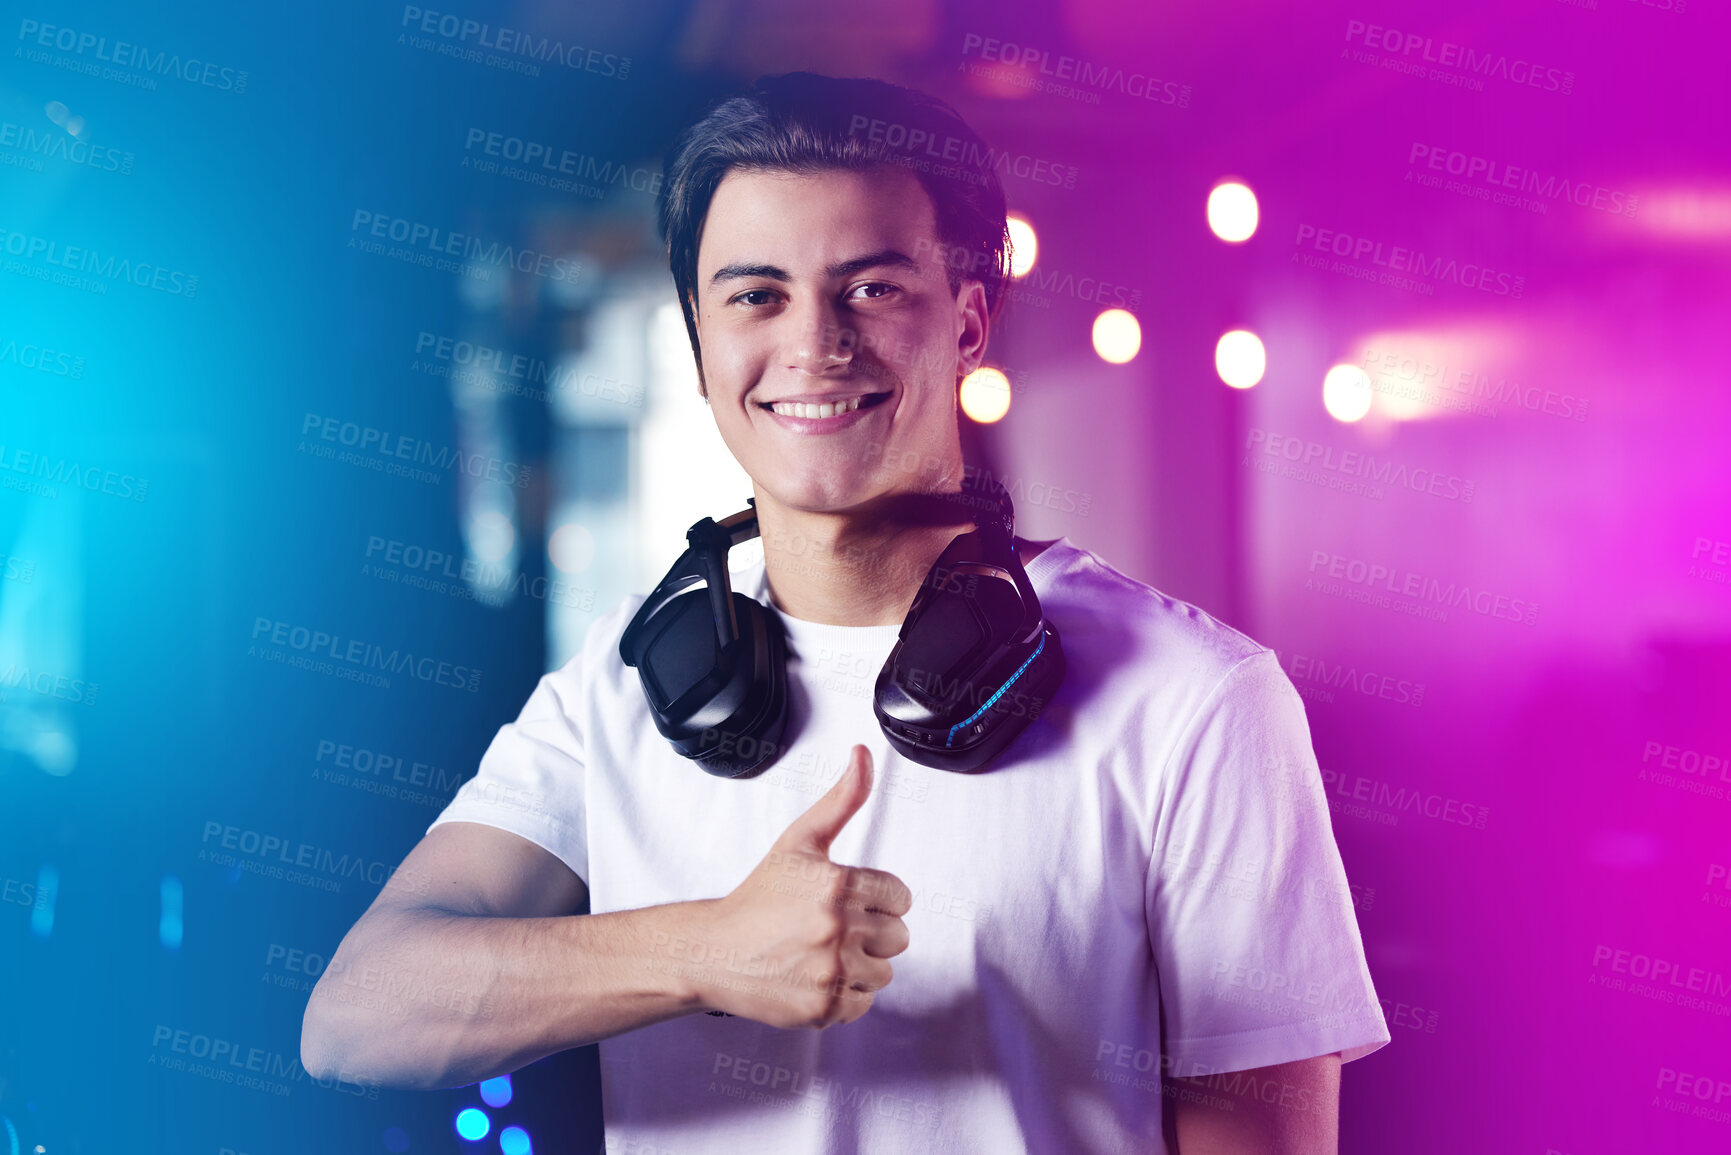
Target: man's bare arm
x,y
463,967
1286,1109
471,963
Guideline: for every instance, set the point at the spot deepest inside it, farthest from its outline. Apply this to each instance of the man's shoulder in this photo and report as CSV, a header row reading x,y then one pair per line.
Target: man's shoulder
x,y
1099,609
597,659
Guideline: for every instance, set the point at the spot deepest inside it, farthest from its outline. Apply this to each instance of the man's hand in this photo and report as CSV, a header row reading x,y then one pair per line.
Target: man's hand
x,y
804,942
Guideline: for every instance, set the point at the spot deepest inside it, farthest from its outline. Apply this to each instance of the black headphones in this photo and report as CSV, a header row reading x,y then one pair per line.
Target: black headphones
x,y
974,663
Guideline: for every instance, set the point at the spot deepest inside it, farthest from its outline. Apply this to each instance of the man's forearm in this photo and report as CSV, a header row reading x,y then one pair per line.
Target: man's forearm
x,y
429,998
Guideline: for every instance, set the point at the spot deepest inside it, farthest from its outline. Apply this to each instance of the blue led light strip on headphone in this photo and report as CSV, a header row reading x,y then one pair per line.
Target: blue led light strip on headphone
x,y
950,740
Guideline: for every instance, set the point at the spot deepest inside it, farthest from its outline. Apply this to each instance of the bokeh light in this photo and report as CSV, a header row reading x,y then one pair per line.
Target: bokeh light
x,y
515,1141
1346,393
571,548
1024,245
496,1092
1117,336
473,1124
1240,359
985,395
1232,212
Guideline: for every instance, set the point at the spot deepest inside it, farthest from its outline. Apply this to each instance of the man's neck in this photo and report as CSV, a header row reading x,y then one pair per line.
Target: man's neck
x,y
849,571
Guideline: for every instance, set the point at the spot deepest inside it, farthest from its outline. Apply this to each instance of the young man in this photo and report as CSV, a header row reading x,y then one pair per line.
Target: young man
x,y
1131,932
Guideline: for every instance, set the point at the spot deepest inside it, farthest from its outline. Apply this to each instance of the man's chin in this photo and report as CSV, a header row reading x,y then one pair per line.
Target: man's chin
x,y
822,493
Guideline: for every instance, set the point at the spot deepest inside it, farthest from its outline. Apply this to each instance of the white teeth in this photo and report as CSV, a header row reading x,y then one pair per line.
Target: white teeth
x,y
816,412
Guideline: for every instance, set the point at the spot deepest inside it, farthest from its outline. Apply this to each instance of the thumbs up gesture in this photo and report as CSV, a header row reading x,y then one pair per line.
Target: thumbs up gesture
x,y
807,941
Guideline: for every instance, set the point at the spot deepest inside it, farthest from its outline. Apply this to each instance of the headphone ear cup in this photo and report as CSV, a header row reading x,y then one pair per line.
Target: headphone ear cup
x,y
726,709
749,739
975,662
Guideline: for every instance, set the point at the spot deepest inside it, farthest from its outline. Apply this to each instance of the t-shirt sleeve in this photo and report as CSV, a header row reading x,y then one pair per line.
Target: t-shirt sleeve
x,y
1250,917
531,779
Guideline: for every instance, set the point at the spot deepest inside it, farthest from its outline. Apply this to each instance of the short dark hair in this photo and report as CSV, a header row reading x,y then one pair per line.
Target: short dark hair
x,y
802,122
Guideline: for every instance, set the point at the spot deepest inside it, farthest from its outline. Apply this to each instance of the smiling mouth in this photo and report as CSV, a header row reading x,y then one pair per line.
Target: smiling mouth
x,y
812,411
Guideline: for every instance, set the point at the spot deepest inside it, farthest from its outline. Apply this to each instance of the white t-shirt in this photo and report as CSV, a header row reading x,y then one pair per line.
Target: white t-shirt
x,y
1148,869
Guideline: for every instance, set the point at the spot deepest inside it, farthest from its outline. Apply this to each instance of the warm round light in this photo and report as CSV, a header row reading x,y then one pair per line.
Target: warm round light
x,y
571,549
1117,336
1240,359
1024,246
1232,212
985,395
1346,393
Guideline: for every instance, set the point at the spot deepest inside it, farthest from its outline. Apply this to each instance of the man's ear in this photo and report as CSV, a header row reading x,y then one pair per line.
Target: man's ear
x,y
975,327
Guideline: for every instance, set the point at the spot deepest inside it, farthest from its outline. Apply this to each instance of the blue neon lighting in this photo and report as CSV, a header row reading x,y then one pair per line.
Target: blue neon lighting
x,y
473,1124
496,1092
987,704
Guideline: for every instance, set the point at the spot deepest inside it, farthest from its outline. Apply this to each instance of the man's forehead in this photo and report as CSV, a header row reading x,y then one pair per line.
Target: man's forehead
x,y
816,219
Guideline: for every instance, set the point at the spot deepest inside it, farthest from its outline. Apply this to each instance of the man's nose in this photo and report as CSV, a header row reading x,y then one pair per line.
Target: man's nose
x,y
819,342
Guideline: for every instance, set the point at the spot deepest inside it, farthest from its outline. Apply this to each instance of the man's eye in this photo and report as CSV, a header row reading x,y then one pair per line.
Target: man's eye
x,y
872,290
745,297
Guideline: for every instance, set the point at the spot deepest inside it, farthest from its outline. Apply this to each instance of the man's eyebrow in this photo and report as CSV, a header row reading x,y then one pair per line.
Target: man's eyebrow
x,y
738,271
883,258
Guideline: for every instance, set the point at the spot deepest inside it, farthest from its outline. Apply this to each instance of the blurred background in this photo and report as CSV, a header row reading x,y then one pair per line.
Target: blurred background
x,y
1389,334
